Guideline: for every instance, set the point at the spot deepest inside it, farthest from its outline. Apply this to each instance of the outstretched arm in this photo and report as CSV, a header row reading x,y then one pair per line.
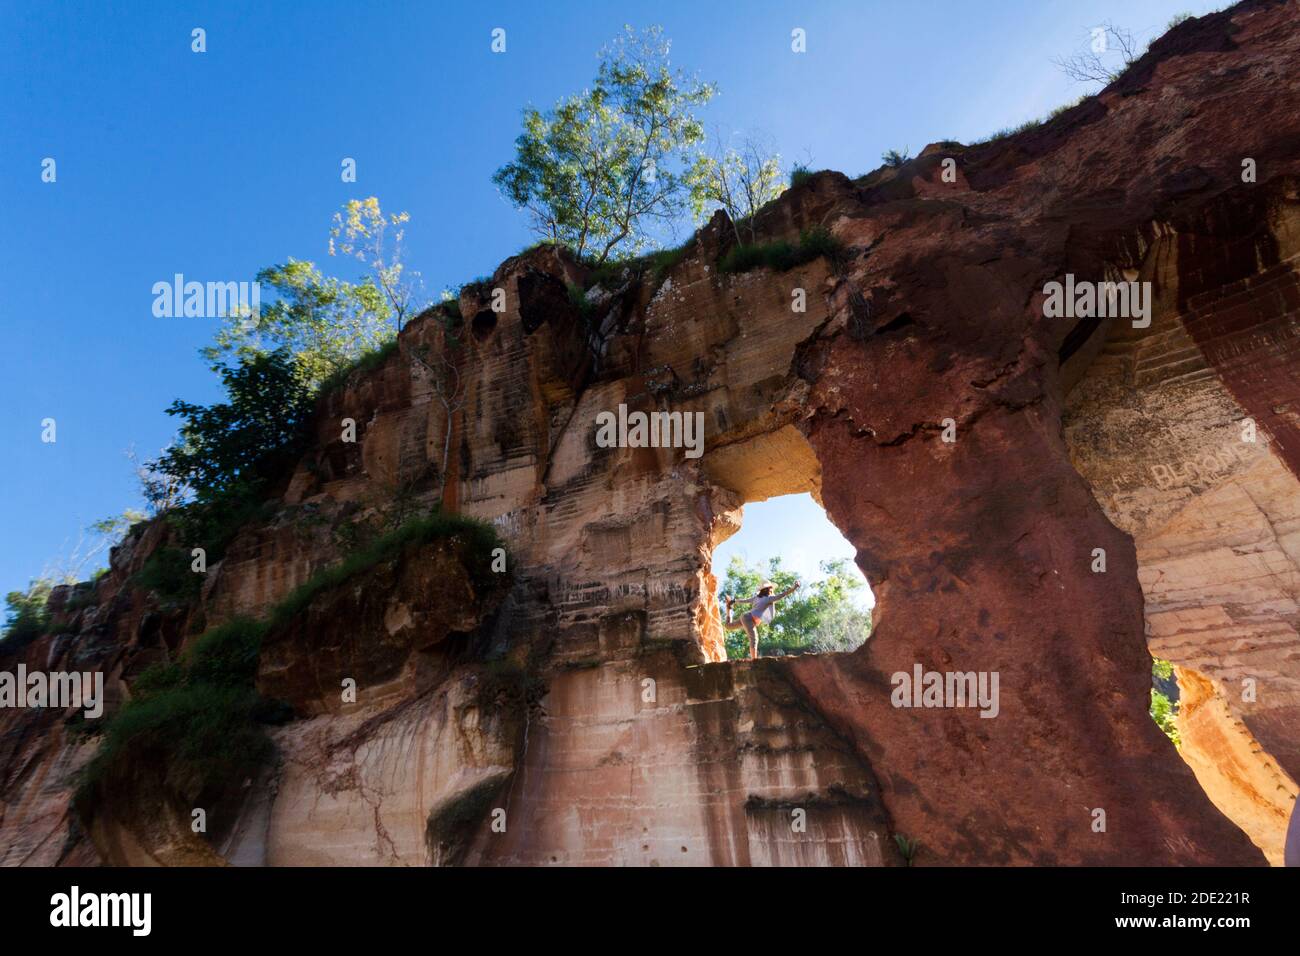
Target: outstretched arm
x,y
742,600
788,591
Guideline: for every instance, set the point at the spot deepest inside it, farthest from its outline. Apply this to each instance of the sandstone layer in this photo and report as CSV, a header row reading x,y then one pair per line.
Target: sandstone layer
x,y
587,715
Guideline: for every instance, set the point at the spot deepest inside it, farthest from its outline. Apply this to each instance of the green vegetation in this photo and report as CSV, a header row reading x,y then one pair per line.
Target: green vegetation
x,y
1028,125
117,527
1006,131
364,362
167,574
195,719
479,538
1066,106
84,595
245,441
781,255
274,363
604,165
323,324
655,264
1164,711
907,847
578,299
229,454
450,309
738,180
27,616
200,717
822,617
892,157
366,233
798,174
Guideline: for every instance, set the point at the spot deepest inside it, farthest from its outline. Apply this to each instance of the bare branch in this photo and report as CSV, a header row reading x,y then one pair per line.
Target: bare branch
x,y
1112,50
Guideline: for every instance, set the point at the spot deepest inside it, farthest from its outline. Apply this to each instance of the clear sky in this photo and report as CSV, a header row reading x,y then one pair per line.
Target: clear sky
x,y
217,164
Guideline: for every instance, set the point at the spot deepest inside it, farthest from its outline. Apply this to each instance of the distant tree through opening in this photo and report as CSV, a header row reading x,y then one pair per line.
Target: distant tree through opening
x,y
784,540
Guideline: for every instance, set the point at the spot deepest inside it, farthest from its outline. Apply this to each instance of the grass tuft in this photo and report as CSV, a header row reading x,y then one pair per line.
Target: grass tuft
x,y
479,537
654,264
363,363
782,255
799,174
167,574
200,717
195,717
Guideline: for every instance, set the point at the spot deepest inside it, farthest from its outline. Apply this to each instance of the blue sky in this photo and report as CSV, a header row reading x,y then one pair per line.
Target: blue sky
x,y
795,529
217,164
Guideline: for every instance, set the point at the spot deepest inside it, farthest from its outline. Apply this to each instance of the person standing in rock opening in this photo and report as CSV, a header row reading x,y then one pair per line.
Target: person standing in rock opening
x,y
762,611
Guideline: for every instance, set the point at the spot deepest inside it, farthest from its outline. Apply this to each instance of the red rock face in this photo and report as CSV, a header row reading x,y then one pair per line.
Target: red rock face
x,y
998,581
980,551
535,742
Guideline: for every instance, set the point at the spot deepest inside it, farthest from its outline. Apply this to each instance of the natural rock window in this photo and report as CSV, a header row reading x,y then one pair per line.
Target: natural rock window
x,y
782,540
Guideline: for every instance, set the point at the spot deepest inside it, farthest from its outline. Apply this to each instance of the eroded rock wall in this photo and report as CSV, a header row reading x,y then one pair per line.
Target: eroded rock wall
x,y
1186,432
980,550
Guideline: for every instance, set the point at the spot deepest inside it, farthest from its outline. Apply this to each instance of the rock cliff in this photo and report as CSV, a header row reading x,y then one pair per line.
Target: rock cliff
x,y
578,708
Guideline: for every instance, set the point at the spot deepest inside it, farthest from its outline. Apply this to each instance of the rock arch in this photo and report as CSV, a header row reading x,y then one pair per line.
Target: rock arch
x,y
979,549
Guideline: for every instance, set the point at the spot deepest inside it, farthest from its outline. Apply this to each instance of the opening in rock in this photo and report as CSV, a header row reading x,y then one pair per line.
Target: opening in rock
x,y
782,541
768,506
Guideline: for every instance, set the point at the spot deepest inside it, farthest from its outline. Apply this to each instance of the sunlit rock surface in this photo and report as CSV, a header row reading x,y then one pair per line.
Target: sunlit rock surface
x,y
586,716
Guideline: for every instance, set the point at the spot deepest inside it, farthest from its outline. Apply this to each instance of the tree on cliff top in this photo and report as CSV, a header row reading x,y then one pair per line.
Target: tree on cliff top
x,y
366,233
1111,50
739,179
326,324
602,167
26,616
228,453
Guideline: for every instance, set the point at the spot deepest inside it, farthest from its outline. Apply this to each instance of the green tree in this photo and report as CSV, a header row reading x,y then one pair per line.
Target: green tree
x,y
740,180
892,157
228,453
1163,710
324,324
26,615
598,170
114,529
822,617
243,439
368,234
